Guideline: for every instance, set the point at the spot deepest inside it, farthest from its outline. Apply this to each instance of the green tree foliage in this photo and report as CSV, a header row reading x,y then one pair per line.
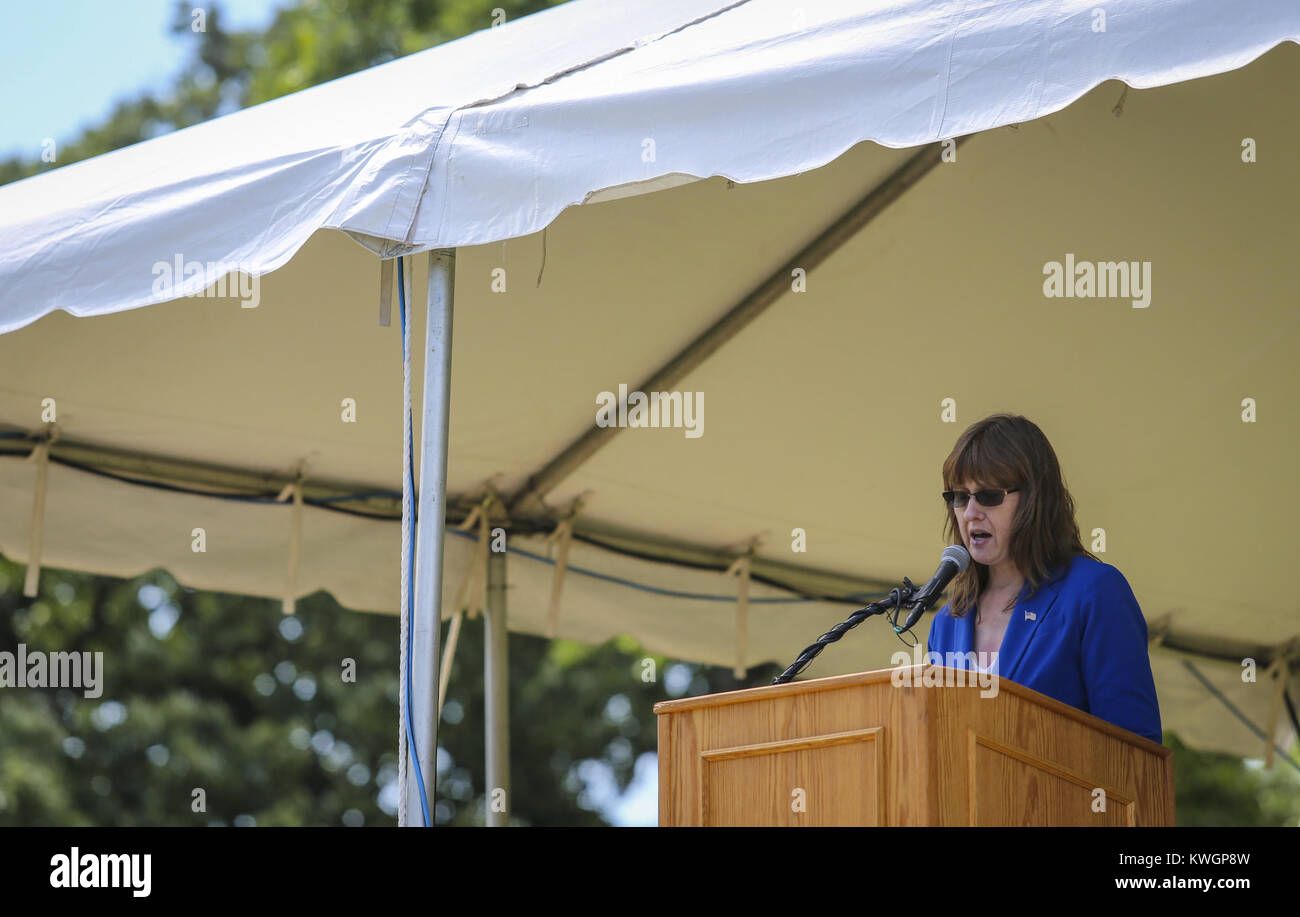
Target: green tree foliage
x,y
219,693
224,693
1217,790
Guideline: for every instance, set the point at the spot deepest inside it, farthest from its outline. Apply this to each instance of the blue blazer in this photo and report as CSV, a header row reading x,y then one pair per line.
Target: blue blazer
x,y
1081,639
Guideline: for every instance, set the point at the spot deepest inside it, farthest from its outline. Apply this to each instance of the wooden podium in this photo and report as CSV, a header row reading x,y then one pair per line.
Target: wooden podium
x,y
871,749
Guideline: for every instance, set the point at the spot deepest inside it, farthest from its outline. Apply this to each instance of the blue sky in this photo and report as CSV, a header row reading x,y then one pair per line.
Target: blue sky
x,y
66,62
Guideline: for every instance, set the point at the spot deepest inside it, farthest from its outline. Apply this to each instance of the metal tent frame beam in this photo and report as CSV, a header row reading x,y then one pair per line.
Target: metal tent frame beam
x,y
432,482
768,291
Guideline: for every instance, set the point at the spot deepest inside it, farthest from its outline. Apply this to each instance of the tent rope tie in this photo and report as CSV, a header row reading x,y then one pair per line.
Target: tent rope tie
x,y
471,594
448,654
543,265
1159,630
479,514
293,490
41,456
478,601
741,567
462,591
562,537
1280,671
1118,110
385,292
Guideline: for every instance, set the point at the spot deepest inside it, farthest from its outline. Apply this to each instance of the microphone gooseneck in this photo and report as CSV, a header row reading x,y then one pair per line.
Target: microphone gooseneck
x,y
954,560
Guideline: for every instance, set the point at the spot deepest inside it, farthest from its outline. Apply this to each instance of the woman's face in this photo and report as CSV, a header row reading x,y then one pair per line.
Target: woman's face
x,y
986,530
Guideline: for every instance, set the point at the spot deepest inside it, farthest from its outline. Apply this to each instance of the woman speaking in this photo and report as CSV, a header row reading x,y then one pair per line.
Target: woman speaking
x,y
1049,614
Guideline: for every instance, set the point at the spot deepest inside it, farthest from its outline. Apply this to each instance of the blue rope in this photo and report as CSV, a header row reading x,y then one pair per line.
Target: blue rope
x,y
410,562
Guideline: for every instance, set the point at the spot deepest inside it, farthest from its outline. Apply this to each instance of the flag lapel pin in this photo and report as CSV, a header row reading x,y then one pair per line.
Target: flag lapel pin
x,y
1030,616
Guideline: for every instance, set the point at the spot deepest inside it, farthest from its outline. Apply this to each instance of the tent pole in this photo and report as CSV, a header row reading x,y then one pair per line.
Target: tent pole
x,y
431,508
496,698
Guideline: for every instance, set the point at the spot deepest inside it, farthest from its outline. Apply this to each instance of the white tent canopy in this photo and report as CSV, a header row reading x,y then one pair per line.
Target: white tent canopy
x,y
750,123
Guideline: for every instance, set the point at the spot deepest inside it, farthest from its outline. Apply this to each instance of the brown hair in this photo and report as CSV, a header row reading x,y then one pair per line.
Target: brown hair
x,y
1007,450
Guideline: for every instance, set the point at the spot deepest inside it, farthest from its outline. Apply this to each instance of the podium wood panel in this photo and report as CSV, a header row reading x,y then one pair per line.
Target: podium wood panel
x,y
858,750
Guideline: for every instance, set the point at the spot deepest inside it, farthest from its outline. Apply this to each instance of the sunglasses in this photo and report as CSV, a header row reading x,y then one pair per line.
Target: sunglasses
x,y
959,498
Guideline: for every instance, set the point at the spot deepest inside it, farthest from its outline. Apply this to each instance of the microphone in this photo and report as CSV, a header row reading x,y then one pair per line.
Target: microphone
x,y
954,560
